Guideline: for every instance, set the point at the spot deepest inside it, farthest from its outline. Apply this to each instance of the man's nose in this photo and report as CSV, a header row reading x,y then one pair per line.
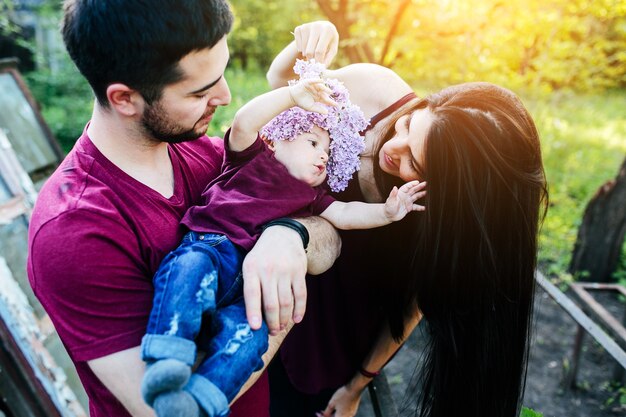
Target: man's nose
x,y
222,95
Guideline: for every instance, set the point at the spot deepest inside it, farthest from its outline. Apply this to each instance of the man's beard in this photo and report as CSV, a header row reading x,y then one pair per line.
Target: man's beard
x,y
163,130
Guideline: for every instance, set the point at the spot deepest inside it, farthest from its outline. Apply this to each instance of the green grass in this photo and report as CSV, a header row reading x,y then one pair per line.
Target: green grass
x,y
584,143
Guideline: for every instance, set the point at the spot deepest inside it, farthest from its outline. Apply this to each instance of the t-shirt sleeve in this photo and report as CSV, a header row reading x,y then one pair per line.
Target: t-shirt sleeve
x,y
322,201
86,271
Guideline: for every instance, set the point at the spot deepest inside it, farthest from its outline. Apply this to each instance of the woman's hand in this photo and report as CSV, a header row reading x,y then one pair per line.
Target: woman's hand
x,y
318,40
344,403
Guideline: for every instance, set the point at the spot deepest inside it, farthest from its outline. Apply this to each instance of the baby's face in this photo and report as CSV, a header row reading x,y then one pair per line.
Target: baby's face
x,y
305,157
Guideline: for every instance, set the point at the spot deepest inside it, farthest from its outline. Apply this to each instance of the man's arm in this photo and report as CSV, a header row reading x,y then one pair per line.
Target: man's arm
x,y
121,373
274,271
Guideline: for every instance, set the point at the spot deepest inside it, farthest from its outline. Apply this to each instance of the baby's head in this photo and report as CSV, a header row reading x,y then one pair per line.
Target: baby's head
x,y
305,156
296,127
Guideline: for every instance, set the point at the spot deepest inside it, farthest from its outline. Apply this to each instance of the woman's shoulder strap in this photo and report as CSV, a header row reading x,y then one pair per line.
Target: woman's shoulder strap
x,y
386,112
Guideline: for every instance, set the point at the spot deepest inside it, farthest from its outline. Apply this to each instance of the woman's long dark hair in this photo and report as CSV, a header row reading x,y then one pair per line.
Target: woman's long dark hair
x,y
473,252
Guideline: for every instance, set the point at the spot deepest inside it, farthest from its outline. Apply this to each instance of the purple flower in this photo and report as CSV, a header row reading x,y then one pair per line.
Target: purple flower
x,y
343,123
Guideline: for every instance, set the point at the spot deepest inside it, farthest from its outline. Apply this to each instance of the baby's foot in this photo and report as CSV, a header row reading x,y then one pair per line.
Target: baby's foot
x,y
164,375
176,403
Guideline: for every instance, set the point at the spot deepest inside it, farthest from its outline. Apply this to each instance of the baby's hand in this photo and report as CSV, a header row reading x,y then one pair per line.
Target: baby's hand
x,y
310,94
402,200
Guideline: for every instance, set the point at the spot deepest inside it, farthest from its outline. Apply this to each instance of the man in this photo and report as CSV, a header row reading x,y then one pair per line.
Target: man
x,y
111,211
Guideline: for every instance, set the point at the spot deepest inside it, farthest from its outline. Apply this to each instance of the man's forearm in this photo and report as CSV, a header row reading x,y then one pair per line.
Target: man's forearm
x,y
324,244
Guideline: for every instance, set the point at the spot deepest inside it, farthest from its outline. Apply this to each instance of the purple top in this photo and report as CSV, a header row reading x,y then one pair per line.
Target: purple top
x,y
344,312
253,189
96,238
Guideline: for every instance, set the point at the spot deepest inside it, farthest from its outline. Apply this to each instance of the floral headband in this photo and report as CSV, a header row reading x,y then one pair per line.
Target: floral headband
x,y
343,123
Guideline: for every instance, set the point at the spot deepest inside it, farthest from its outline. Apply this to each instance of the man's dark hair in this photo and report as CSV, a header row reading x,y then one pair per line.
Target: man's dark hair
x,y
139,42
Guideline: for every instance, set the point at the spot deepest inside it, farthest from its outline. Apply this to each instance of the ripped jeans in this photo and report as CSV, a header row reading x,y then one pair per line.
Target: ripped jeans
x,y
201,281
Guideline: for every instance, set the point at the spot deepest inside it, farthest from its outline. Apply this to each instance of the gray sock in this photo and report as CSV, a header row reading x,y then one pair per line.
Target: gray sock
x,y
164,376
176,404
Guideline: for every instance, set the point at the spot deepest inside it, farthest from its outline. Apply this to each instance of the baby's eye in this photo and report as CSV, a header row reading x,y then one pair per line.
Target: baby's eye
x,y
313,143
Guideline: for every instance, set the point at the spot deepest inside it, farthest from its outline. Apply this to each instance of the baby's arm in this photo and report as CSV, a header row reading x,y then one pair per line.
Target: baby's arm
x,y
308,94
358,215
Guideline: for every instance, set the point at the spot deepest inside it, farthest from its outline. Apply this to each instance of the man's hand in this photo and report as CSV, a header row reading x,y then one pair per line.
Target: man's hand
x,y
402,200
274,271
318,40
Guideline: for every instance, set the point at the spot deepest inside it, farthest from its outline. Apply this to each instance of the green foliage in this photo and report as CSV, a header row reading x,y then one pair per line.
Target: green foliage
x,y
539,44
262,28
527,412
6,26
65,98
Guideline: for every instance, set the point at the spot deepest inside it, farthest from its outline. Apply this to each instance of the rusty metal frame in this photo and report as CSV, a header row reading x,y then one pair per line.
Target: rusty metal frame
x,y
381,398
585,325
614,328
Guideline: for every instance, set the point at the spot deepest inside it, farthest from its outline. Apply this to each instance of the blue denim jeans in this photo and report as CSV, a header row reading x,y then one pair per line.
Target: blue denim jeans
x,y
202,280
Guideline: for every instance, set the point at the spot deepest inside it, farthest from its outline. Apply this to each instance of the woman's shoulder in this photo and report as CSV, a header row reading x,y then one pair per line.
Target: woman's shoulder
x,y
372,87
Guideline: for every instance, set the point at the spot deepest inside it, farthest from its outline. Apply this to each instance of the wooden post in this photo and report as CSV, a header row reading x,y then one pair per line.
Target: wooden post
x,y
601,233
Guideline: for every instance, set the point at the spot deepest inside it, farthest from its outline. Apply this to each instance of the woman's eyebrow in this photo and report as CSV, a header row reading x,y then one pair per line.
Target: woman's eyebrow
x,y
206,87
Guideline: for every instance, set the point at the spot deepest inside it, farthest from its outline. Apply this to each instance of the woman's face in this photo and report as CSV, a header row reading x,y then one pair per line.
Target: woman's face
x,y
403,155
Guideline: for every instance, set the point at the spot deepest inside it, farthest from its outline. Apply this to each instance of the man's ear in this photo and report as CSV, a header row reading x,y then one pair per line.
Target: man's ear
x,y
125,100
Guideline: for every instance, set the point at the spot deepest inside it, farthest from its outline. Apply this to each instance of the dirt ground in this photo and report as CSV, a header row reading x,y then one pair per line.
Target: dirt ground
x,y
596,395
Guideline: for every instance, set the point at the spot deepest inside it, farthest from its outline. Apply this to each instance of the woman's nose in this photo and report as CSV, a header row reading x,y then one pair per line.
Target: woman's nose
x,y
396,145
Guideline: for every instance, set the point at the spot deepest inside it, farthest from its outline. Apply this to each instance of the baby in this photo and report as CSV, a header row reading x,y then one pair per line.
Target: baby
x,y
266,179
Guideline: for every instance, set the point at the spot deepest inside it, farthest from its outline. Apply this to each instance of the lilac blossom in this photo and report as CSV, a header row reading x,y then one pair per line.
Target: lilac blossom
x,y
343,123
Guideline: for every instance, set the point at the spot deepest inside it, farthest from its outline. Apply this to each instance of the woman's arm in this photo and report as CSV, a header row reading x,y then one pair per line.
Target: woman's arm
x,y
372,87
345,401
314,40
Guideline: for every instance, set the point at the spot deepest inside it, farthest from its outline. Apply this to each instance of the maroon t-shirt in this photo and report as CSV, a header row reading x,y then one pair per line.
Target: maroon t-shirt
x,y
96,238
253,189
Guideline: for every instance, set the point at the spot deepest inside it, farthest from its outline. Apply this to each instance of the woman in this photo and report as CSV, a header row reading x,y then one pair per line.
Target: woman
x,y
466,265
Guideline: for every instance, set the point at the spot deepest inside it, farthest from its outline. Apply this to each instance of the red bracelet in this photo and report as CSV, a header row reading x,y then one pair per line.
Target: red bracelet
x,y
367,373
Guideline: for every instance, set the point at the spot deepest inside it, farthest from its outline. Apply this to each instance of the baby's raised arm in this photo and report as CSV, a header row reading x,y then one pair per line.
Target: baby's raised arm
x,y
309,94
358,215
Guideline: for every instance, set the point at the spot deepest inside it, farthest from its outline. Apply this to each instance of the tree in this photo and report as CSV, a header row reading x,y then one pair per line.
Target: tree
x,y
601,233
345,15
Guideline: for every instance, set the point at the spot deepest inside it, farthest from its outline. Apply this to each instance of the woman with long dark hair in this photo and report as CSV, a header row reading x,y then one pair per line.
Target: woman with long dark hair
x,y
466,265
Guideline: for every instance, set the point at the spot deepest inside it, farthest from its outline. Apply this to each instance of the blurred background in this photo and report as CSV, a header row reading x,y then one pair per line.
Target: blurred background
x,y
565,58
